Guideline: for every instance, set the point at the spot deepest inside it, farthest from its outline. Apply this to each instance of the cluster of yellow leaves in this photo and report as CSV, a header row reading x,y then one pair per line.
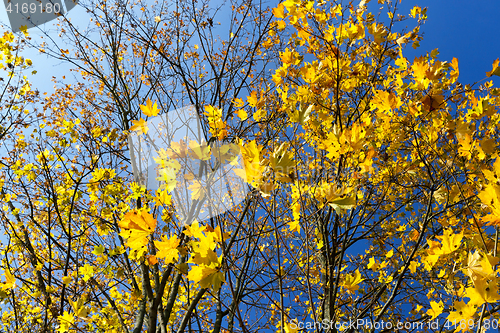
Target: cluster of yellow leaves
x,y
141,126
289,58
468,146
490,195
217,125
385,101
484,280
240,112
338,197
295,206
479,268
254,167
338,143
208,265
79,308
168,168
484,289
137,225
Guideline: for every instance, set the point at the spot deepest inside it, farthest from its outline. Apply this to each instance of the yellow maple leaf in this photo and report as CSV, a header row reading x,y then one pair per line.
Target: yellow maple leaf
x,y
207,276
356,137
252,99
385,101
372,264
301,114
450,242
169,177
152,260
340,199
480,266
432,102
466,146
79,307
197,190
87,271
177,149
253,171
490,197
414,11
65,322
413,266
162,198
463,314
140,126
149,109
24,30
242,114
137,225
279,11
378,31
217,233
238,102
281,160
294,226
289,4
200,151
259,114
352,281
66,280
292,327
454,74
167,249
10,281
332,145
138,219
420,68
227,153
483,291
203,250
213,112
194,230
436,309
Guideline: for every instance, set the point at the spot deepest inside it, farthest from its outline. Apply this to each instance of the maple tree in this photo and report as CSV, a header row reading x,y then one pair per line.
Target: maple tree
x,y
374,179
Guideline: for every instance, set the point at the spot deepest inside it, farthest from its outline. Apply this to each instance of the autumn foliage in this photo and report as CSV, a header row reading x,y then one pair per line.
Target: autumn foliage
x,y
374,179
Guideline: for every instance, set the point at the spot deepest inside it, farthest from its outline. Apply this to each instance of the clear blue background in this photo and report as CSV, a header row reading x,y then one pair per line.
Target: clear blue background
x,y
468,30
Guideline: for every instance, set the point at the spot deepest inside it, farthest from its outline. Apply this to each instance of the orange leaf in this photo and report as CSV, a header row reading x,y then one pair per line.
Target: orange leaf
x,y
495,70
138,220
152,260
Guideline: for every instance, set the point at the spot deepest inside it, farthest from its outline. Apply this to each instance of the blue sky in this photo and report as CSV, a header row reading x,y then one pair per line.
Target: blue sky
x,y
466,30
